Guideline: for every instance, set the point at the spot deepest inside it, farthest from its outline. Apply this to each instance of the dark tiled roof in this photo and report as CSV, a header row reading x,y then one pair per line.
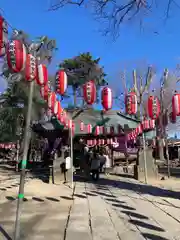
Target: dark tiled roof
x,y
94,117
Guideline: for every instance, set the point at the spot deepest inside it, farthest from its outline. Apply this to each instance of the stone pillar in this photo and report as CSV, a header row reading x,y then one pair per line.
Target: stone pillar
x,y
152,171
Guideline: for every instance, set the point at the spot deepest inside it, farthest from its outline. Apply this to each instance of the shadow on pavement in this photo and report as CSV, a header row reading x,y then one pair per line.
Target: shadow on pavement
x,y
42,175
150,236
90,194
123,206
79,196
103,194
10,198
133,186
37,199
135,215
52,199
114,200
5,234
128,210
146,225
67,198
124,175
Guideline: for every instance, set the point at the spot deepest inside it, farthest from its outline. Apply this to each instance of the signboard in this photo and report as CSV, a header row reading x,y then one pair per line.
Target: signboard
x,y
68,163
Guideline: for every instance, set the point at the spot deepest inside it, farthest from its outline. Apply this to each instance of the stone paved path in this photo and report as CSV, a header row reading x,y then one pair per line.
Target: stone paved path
x,y
113,209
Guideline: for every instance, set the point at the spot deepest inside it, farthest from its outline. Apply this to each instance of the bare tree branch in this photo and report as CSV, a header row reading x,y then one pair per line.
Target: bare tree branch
x,y
114,13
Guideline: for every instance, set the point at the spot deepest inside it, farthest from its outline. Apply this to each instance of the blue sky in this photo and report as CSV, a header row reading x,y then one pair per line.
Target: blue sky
x,y
75,31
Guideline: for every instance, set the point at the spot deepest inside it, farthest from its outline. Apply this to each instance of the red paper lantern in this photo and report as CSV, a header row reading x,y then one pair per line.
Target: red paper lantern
x,y
51,100
70,123
106,98
89,128
30,68
81,126
60,110
42,78
139,129
131,103
3,36
97,130
44,91
89,92
152,124
134,135
104,130
109,141
56,107
61,82
145,124
101,129
90,142
16,55
176,105
153,107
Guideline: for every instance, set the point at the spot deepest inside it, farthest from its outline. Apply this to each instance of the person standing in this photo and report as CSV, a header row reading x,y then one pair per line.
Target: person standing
x,y
102,158
107,164
63,164
95,166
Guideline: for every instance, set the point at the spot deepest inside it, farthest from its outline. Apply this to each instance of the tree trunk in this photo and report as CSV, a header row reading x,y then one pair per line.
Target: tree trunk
x,y
160,142
74,96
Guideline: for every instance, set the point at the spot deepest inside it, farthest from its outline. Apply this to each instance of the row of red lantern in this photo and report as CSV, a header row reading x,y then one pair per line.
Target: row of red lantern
x,y
93,142
145,125
7,145
55,107
89,94
19,61
153,105
99,130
